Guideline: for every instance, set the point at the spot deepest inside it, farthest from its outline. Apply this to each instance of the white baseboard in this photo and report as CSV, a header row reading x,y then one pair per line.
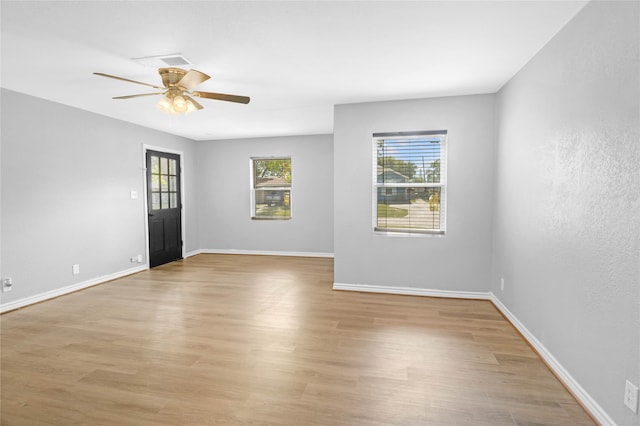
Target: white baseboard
x,y
262,253
192,253
20,303
578,391
412,291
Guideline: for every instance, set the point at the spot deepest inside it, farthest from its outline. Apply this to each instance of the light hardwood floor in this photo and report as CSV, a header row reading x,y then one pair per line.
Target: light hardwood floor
x,y
260,340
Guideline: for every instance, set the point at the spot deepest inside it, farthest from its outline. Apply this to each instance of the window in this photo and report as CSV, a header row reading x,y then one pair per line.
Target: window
x,y
410,182
164,183
271,191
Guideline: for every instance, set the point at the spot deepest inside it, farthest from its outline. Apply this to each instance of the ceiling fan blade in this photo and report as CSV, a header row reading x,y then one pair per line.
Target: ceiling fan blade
x,y
137,96
126,79
222,97
192,78
193,101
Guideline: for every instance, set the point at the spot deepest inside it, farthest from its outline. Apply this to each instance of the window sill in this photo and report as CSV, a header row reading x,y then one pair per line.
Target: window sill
x,y
412,234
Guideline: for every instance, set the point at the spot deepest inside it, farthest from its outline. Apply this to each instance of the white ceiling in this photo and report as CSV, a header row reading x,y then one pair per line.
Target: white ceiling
x,y
294,59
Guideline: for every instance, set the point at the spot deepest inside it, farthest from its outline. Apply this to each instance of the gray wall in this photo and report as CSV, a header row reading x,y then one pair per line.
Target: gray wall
x,y
66,181
224,195
567,214
458,261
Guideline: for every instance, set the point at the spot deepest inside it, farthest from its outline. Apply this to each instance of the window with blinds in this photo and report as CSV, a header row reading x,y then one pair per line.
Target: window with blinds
x,y
271,188
409,184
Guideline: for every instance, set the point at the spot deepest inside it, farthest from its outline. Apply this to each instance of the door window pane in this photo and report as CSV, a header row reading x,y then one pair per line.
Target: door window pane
x,y
155,164
164,183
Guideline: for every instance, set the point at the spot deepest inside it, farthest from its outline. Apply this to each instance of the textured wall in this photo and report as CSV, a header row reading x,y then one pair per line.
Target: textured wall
x,y
224,195
457,261
567,221
66,181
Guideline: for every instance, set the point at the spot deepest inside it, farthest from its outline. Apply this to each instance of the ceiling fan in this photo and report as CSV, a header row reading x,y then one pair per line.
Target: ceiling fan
x,y
177,90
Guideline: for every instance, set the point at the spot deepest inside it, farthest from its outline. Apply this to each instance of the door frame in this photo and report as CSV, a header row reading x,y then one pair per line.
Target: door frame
x,y
183,201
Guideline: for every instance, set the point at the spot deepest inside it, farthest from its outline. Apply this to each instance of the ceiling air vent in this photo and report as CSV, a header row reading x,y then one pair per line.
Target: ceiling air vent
x,y
162,61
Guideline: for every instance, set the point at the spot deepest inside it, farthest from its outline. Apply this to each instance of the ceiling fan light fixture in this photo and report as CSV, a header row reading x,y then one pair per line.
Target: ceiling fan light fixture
x,y
179,104
190,107
165,105
176,104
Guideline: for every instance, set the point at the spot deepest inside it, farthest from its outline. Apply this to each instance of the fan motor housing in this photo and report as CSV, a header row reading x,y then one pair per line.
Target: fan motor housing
x,y
171,76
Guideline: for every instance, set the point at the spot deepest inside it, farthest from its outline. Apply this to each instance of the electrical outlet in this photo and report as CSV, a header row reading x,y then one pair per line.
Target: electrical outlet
x,y
75,269
502,284
139,258
7,284
631,396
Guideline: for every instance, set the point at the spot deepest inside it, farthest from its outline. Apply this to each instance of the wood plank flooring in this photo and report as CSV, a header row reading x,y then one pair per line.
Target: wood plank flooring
x,y
261,340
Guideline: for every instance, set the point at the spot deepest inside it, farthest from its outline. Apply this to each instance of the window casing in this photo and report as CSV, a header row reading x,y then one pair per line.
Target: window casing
x,y
271,188
409,182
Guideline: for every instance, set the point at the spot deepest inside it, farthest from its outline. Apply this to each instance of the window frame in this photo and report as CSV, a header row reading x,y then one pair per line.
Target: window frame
x,y
253,189
416,135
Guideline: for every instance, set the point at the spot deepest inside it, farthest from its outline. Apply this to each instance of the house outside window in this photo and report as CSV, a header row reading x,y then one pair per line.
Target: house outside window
x,y
409,188
271,188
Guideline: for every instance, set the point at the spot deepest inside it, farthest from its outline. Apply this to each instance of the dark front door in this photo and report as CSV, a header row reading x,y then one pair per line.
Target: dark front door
x,y
165,206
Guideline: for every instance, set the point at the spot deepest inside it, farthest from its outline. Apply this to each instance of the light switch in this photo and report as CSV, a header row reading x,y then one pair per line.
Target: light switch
x,y
134,195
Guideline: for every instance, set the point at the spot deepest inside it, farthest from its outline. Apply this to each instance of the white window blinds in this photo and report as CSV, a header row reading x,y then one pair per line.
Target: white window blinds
x,y
409,186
